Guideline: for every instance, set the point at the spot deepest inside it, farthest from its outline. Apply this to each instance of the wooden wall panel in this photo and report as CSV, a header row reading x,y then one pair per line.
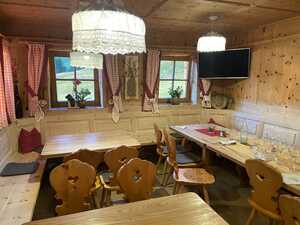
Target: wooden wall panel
x,y
275,67
69,127
105,125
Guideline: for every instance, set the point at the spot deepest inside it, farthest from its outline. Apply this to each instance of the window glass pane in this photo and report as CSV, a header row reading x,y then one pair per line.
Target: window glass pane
x,y
166,69
63,68
85,73
181,70
63,88
183,85
164,87
90,85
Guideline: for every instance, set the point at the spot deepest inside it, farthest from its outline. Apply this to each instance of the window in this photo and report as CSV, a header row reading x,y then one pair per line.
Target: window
x,y
173,74
62,77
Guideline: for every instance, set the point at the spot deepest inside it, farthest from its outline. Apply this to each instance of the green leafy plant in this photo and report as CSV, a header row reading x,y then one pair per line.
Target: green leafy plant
x,y
83,94
176,93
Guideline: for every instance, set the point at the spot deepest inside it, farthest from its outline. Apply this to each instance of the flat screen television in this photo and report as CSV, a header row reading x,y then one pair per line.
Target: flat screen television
x,y
229,64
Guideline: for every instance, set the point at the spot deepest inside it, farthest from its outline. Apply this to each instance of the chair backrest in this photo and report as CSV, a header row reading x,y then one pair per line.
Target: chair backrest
x,y
266,181
158,135
166,136
171,143
136,179
115,158
290,209
84,155
72,182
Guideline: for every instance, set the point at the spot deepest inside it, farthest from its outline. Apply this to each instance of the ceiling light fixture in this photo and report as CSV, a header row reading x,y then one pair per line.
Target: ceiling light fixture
x,y
108,29
212,41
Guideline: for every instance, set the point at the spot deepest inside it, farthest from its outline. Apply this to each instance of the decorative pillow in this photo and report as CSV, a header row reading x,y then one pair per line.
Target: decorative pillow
x,y
29,140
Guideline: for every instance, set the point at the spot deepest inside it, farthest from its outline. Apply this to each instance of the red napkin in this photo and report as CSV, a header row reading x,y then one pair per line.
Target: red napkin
x,y
213,133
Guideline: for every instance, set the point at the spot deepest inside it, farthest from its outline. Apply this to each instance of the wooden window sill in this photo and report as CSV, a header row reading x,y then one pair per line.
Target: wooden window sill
x,y
75,109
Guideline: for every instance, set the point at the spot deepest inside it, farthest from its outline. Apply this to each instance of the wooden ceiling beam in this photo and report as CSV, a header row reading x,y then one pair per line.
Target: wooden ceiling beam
x,y
278,9
195,22
252,5
33,5
156,7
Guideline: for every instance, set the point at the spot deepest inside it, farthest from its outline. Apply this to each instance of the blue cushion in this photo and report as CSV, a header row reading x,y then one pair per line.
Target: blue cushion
x,y
188,157
179,149
13,169
176,135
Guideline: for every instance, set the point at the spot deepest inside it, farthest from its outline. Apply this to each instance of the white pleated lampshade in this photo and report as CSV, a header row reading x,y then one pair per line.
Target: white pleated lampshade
x,y
108,32
211,42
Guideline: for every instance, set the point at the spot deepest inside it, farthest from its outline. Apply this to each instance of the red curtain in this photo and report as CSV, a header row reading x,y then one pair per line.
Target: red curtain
x,y
150,100
36,57
7,100
113,78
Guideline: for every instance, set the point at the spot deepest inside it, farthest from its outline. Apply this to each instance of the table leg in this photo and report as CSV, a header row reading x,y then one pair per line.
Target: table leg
x,y
205,155
175,188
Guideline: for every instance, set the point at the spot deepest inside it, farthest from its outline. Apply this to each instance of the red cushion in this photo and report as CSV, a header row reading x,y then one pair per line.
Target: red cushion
x,y
29,140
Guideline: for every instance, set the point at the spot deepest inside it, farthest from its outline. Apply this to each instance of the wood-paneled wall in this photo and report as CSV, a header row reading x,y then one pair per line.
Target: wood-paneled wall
x,y
275,67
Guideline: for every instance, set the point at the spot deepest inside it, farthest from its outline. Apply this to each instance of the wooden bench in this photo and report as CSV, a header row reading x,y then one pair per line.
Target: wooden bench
x,y
18,194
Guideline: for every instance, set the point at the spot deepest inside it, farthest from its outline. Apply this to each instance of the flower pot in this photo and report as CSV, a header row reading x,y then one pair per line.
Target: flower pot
x,y
81,104
175,101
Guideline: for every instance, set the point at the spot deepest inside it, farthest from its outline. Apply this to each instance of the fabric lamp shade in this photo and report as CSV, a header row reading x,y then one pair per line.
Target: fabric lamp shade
x,y
212,42
86,60
108,32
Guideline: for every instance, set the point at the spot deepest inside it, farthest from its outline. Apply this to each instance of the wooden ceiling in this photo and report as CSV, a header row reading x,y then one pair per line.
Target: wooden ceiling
x,y
52,18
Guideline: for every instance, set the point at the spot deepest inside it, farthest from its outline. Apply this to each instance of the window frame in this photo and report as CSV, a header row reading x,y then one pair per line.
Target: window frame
x,y
53,89
174,59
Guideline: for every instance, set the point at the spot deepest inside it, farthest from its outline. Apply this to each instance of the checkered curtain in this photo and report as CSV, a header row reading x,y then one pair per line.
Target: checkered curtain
x,y
7,100
193,80
8,82
150,100
3,113
36,56
114,82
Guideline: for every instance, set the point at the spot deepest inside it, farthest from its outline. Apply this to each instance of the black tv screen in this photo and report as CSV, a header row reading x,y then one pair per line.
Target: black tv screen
x,y
229,64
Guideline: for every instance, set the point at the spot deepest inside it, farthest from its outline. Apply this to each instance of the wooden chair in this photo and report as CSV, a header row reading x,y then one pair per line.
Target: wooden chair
x,y
136,179
84,155
182,159
94,159
73,182
160,149
114,159
290,209
266,182
189,176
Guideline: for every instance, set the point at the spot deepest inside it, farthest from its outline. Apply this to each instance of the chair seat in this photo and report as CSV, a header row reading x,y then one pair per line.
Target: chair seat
x,y
194,176
188,157
266,212
179,149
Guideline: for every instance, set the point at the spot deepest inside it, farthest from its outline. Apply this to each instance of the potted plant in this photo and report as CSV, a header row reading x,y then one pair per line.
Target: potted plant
x,y
78,98
81,97
175,95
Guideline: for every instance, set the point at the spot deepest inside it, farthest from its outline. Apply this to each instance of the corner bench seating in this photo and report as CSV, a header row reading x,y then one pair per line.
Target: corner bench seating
x,y
18,194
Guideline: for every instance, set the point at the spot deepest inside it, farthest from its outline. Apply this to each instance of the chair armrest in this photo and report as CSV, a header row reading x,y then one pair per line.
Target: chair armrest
x,y
107,186
97,185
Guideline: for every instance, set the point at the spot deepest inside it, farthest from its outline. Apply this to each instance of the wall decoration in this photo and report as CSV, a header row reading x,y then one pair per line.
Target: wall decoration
x,y
131,77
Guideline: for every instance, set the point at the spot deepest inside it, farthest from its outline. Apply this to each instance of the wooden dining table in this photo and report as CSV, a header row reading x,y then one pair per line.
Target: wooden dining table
x,y
237,153
62,145
187,208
